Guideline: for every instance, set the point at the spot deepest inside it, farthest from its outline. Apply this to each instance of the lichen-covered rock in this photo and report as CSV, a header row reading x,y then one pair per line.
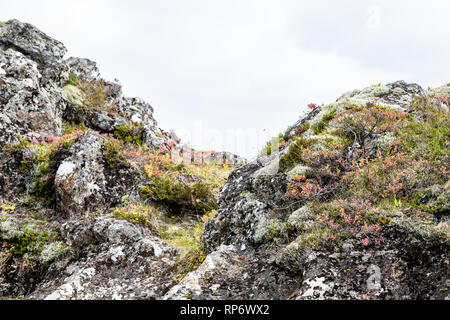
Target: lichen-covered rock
x,y
140,112
26,106
13,182
73,95
230,273
245,204
83,69
32,42
84,183
119,260
375,273
30,72
101,120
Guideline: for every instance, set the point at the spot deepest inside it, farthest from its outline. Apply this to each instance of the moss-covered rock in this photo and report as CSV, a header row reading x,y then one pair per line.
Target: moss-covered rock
x,y
299,170
268,229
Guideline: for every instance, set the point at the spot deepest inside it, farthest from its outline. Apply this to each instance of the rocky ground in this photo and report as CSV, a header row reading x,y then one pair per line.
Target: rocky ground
x,y
98,202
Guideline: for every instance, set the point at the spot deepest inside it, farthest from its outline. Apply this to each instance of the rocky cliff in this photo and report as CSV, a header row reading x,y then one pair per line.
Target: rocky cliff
x,y
98,202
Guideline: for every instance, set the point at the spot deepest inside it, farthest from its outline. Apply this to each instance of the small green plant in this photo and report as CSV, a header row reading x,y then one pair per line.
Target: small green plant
x,y
295,152
319,127
7,207
303,128
72,80
275,141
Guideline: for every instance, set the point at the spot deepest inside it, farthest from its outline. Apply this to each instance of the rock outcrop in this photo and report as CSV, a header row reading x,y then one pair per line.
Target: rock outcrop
x,y
98,202
118,260
404,260
84,183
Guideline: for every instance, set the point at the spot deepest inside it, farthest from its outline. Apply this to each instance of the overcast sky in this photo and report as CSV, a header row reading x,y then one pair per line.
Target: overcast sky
x,y
228,74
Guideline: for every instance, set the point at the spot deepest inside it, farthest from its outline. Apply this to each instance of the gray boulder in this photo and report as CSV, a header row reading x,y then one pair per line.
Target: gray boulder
x,y
84,183
33,43
26,106
119,261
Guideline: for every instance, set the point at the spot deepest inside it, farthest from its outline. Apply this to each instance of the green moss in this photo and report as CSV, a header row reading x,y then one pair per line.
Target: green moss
x,y
243,193
30,240
133,217
112,151
193,259
130,134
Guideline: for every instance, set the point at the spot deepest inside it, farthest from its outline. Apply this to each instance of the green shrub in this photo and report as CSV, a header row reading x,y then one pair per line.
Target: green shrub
x,y
133,217
197,196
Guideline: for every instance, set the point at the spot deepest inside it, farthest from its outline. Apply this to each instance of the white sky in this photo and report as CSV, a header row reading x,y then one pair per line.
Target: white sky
x,y
226,75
